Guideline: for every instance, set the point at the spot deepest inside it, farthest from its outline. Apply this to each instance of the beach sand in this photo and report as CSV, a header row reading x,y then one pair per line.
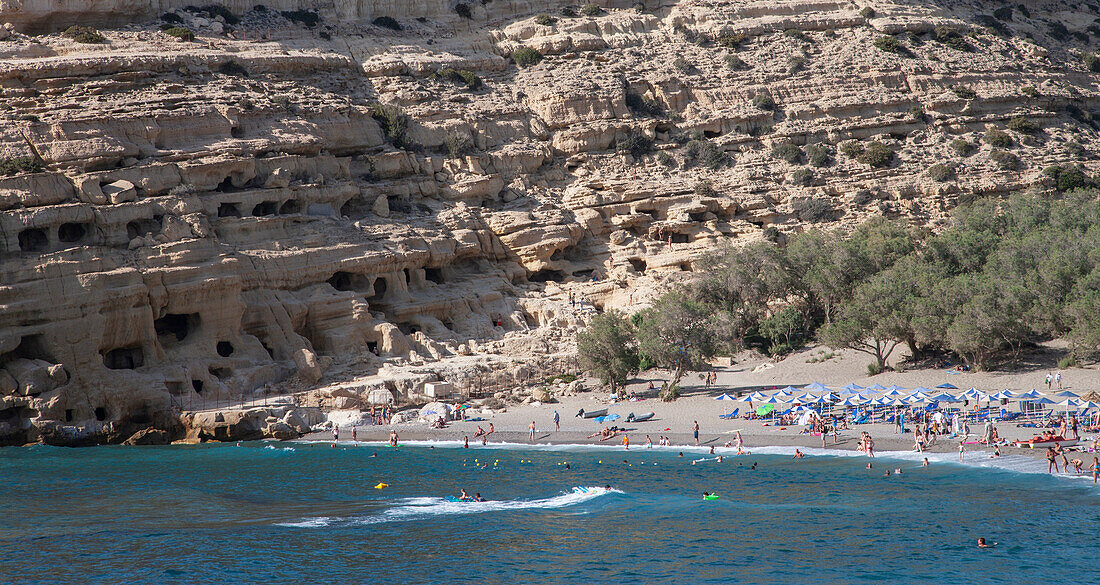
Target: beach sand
x,y
675,419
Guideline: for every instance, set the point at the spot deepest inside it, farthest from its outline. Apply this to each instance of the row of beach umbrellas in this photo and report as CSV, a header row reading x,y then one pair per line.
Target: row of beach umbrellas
x,y
876,395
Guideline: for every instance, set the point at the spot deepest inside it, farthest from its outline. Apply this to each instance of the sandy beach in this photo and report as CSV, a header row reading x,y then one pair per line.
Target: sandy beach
x,y
675,419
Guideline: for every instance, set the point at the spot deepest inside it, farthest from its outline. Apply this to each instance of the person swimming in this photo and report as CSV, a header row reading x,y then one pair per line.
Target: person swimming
x,y
464,496
983,544
478,498
798,454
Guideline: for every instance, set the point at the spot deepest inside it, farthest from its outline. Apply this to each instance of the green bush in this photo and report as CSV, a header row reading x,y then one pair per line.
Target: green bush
x,y
1069,177
818,155
545,20
964,92
732,40
683,65
1003,13
867,12
812,209
666,159
951,37
802,177
526,57
998,138
795,64
568,12
1005,160
736,63
1030,91
877,155
458,144
181,33
941,172
387,22
309,18
705,153
1091,61
462,77
462,9
852,149
13,166
794,33
84,34
764,102
636,143
394,122
916,113
962,147
591,10
788,152
641,104
1067,362
888,43
1023,125
704,188
1075,149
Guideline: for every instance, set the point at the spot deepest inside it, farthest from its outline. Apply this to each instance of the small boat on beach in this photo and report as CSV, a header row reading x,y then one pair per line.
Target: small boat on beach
x,y
594,413
1044,442
640,417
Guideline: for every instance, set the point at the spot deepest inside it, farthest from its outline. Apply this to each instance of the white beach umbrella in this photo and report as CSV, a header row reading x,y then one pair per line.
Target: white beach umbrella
x,y
757,396
898,402
891,393
921,390
1070,403
725,397
944,397
1029,395
1043,400
895,387
876,387
852,387
1067,394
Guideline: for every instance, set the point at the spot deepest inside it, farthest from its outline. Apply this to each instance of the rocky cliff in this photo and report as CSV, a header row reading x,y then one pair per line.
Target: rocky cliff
x,y
310,193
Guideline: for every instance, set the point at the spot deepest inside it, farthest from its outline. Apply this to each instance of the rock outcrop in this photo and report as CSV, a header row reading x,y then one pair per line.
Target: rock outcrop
x,y
300,198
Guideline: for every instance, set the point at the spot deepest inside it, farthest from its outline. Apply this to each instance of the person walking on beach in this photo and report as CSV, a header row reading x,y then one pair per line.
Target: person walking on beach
x,y
626,442
557,421
738,441
1058,380
393,438
1050,379
695,430
1073,426
1052,460
648,442
1095,469
869,445
531,426
335,432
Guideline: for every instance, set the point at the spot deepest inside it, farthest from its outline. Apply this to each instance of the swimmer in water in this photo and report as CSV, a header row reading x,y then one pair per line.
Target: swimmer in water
x,y
464,496
798,454
681,454
753,465
983,544
925,464
897,471
478,498
373,455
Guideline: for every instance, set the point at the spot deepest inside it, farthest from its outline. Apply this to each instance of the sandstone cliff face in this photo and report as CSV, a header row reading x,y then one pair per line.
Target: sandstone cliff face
x,y
217,216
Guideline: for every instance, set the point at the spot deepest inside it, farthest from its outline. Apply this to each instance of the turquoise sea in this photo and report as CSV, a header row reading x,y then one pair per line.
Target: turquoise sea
x,y
308,513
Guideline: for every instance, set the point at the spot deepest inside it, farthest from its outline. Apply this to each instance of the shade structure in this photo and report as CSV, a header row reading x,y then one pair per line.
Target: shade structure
x,y
806,398
891,393
1043,400
1070,403
895,387
1030,395
898,402
1087,404
783,395
971,393
876,387
746,398
817,387
918,395
922,390
1067,394
725,397
765,409
851,386
757,396
852,401
789,390
947,386
771,400
944,397
1007,393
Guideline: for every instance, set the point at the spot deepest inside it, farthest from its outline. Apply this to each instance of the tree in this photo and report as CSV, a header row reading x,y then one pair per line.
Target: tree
x,y
607,349
874,322
677,333
784,329
740,283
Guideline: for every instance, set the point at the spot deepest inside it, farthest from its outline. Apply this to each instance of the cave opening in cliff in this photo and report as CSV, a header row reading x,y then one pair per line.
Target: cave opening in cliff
x,y
679,238
547,275
227,186
228,210
224,348
638,264
408,277
372,346
221,373
33,240
434,274
197,386
174,388
379,290
175,327
265,208
124,358
585,274
267,348
100,413
68,415
31,347
290,207
236,132
71,232
699,216
408,328
685,266
349,282
140,227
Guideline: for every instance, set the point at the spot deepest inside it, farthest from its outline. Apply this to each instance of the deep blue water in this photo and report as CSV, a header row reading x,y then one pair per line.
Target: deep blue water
x,y
307,513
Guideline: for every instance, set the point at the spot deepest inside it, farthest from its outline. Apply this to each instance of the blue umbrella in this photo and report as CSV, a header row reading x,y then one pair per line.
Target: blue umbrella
x,y
876,387
948,386
1067,394
817,387
725,397
852,386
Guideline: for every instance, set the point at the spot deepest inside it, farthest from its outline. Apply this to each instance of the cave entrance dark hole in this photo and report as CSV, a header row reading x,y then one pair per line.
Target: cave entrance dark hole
x,y
124,358
290,207
197,386
140,227
434,274
638,264
679,238
380,287
546,275
175,327
33,240
228,210
265,208
349,281
100,413
71,232
225,349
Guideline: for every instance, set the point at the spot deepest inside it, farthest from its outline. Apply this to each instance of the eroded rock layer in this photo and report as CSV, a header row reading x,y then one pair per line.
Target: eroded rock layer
x,y
210,219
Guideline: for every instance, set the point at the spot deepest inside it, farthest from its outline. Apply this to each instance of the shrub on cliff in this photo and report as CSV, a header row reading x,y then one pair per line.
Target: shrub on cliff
x,y
1005,160
1069,177
817,155
732,40
84,34
14,166
795,64
764,102
962,147
877,155
458,144
394,122
950,36
464,10
461,77
998,138
684,66
635,143
867,12
788,152
802,177
1091,61
526,57
545,20
387,22
641,104
591,10
1023,125
704,153
181,33
964,92
941,172
309,18
736,63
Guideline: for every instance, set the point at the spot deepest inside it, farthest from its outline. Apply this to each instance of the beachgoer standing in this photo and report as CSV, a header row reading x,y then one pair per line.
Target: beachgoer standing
x,y
1058,379
626,442
557,421
1052,460
393,438
466,442
648,442
1095,469
1050,379
695,430
335,432
353,434
870,446
532,435
738,441
1073,426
